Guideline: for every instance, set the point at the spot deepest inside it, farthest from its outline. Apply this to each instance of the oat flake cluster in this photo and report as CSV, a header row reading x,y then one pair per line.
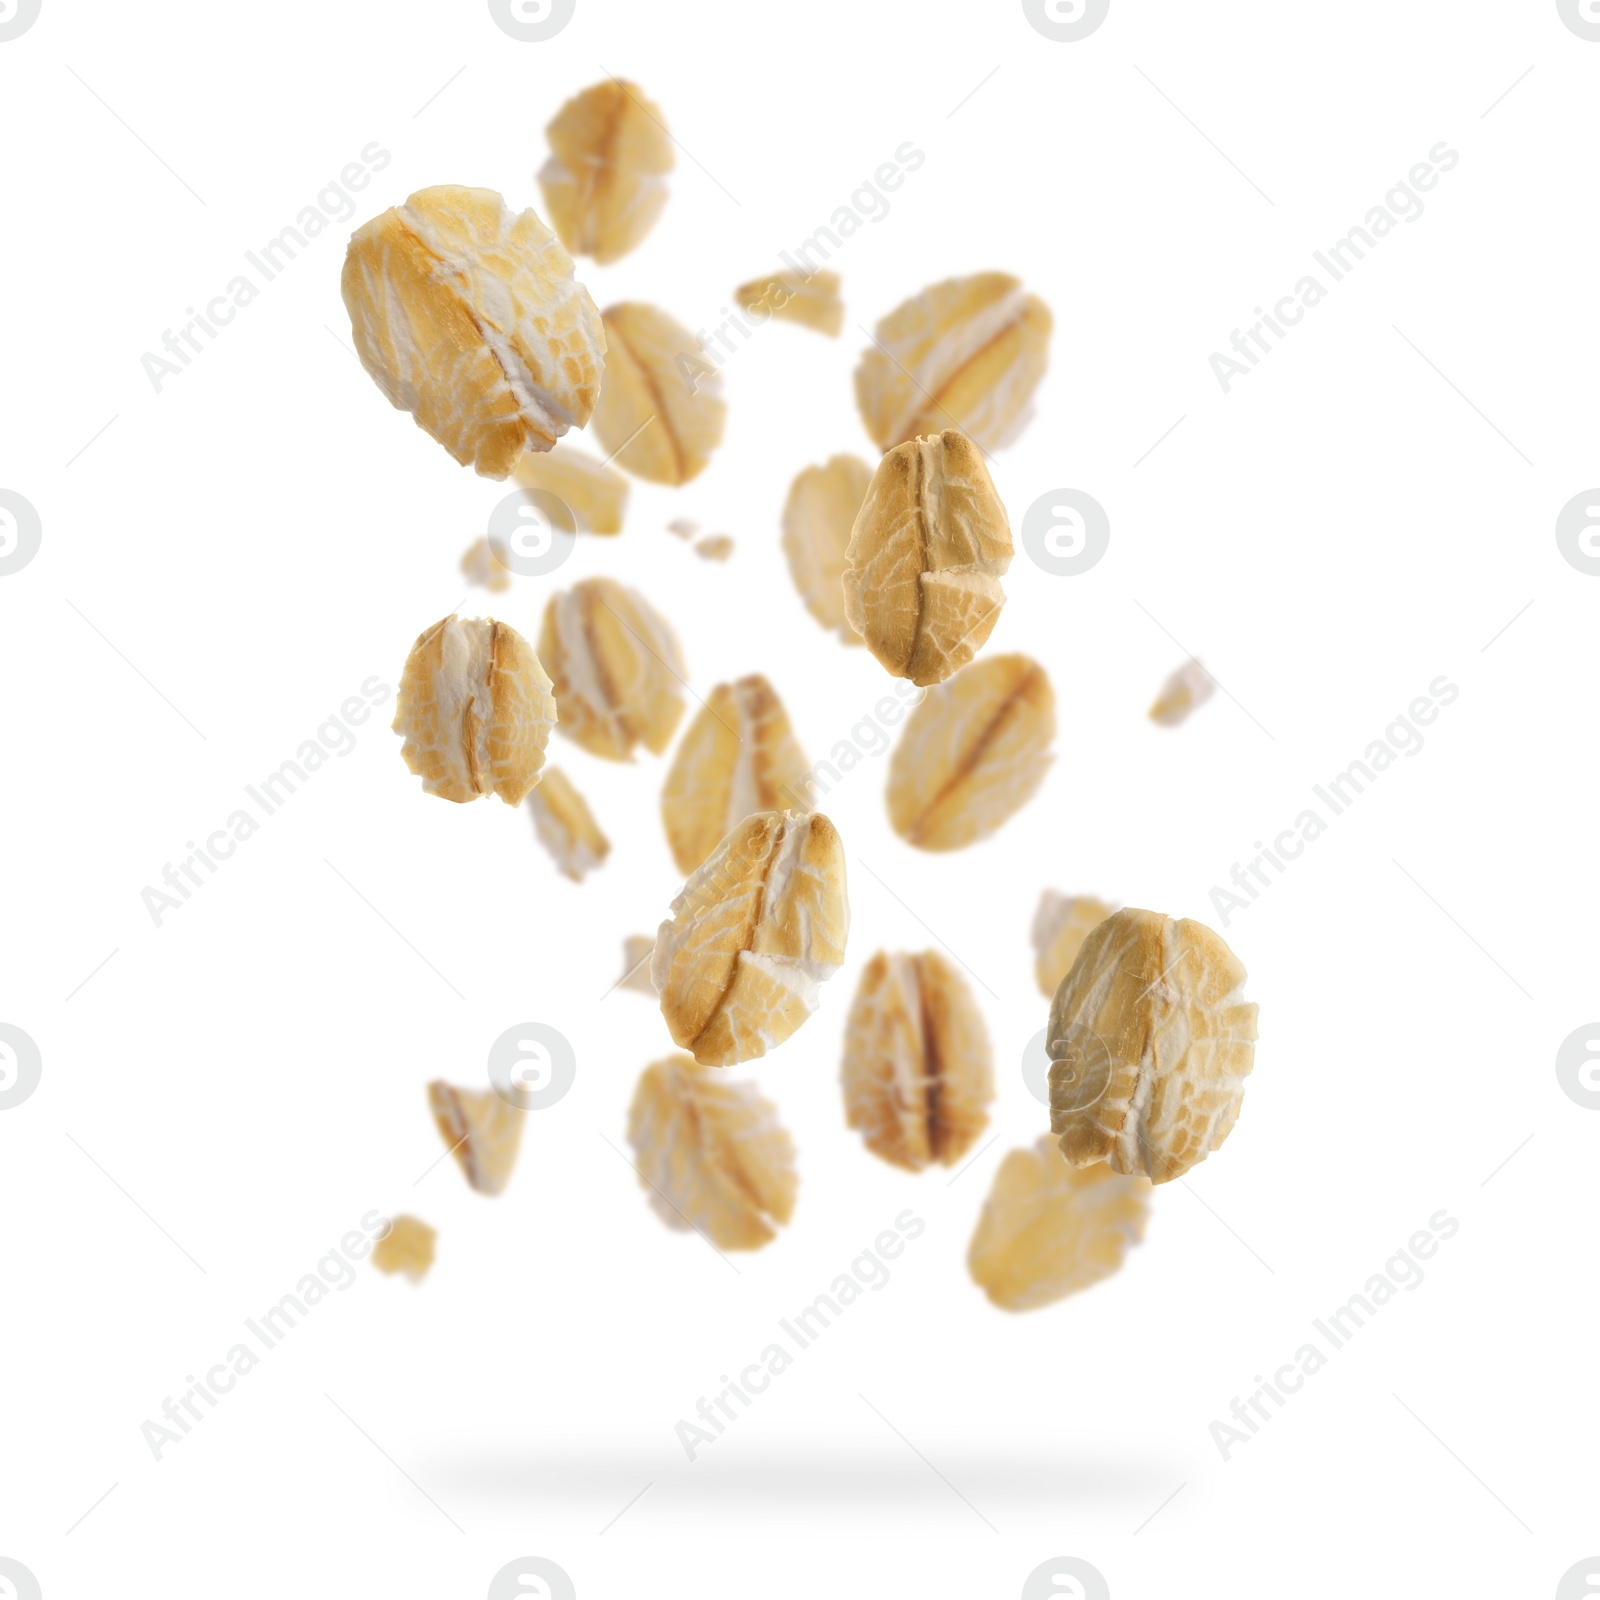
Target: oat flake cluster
x,y
470,314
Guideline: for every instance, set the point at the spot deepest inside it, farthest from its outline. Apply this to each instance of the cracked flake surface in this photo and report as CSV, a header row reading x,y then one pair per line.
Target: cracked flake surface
x,y
972,753
1049,1229
758,926
660,412
1150,1041
738,756
929,547
475,709
606,180
467,315
966,353
917,1073
481,1130
616,667
711,1154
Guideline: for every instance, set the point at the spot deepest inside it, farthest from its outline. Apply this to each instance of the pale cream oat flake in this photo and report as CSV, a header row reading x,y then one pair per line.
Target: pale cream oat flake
x,y
1060,926
917,1073
754,932
1150,1041
660,412
594,494
817,519
480,565
711,1154
616,666
1049,1229
715,547
1189,687
407,1247
475,709
482,1131
966,353
606,180
467,315
923,567
683,528
565,825
972,754
738,756
811,299
637,949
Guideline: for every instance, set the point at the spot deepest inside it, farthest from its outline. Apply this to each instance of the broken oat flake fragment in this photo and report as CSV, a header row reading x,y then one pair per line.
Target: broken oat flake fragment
x,y
407,1247
565,825
481,1130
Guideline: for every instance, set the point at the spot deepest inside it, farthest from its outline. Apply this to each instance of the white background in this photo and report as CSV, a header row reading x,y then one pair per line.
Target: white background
x,y
230,558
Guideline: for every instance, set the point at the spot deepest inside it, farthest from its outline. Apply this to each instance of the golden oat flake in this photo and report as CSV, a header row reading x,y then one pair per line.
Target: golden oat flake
x,y
467,315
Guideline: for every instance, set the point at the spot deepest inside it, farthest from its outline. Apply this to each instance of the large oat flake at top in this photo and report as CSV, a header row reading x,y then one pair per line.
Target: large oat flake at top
x,y
972,753
606,180
467,315
739,756
966,353
1150,1041
923,568
475,709
753,933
